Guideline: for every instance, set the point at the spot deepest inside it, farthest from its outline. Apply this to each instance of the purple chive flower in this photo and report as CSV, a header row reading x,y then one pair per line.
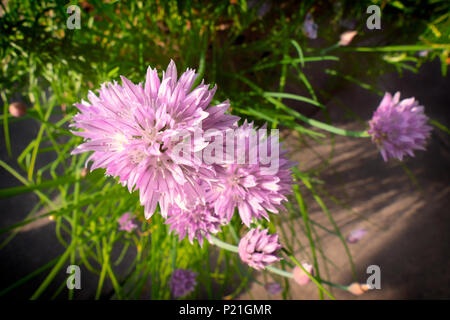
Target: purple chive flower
x,y
132,130
182,282
198,220
258,249
272,288
399,127
310,27
356,235
263,8
347,37
126,222
300,276
248,187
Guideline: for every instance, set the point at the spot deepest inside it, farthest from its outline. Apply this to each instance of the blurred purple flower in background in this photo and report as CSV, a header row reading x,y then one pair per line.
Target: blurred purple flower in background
x,y
399,127
182,282
348,23
134,130
126,222
258,249
272,288
356,235
310,27
262,6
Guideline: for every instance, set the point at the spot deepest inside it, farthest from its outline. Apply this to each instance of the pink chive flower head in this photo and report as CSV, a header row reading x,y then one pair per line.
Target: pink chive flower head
x,y
198,221
399,127
250,186
258,249
358,288
182,282
135,132
126,222
310,27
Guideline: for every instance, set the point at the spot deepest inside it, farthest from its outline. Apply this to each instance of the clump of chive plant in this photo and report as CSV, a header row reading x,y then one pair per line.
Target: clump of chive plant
x,y
165,140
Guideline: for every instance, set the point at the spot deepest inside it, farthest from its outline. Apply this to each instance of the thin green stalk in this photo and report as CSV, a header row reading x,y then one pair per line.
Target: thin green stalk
x,y
313,279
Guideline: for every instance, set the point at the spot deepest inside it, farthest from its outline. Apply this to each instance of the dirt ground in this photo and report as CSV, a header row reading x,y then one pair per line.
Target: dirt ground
x,y
408,224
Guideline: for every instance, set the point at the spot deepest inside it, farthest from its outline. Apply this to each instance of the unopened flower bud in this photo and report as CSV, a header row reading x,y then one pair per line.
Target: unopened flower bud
x,y
356,235
347,37
358,288
272,288
17,109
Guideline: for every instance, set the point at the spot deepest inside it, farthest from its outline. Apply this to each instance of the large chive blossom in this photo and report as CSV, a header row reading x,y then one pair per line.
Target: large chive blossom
x,y
399,127
134,132
258,249
251,187
182,282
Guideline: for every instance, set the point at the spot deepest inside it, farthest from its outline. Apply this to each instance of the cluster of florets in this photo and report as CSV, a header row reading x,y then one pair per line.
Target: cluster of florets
x,y
164,139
